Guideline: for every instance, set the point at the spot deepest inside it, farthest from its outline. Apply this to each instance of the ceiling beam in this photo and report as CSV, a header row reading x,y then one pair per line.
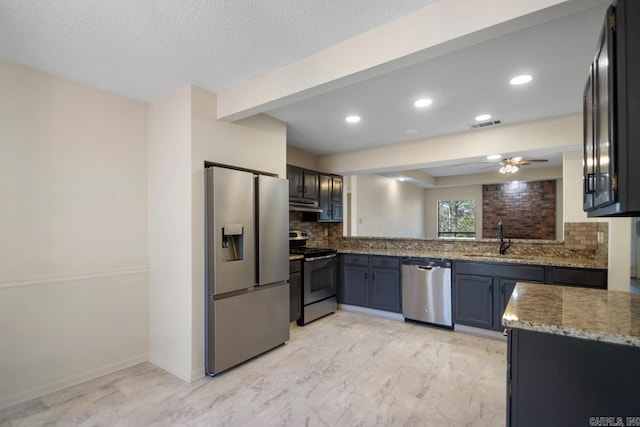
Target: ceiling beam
x,y
438,29
560,134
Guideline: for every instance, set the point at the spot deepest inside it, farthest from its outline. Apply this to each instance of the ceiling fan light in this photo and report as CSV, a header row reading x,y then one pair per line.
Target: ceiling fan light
x,y
508,169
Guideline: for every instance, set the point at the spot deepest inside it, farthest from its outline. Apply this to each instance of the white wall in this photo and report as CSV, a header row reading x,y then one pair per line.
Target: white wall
x,y
433,195
619,228
73,275
184,133
572,192
301,158
257,143
386,207
169,201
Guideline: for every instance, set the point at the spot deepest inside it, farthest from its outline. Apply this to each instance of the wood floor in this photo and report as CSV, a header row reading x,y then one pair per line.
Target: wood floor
x,y
343,370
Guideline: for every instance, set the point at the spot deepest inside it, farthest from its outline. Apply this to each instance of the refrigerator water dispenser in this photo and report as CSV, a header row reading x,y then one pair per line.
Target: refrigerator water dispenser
x,y
233,242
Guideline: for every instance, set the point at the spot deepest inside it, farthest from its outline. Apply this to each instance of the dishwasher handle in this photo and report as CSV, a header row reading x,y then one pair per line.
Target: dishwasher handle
x,y
425,267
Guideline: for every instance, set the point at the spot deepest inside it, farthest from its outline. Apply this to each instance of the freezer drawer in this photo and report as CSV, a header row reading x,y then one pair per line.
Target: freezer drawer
x,y
426,294
246,325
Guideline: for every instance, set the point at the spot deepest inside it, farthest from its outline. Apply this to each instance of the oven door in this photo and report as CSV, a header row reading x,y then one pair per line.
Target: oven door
x,y
320,278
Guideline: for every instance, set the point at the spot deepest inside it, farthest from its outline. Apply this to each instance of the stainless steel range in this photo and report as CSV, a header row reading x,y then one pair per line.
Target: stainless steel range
x,y
320,277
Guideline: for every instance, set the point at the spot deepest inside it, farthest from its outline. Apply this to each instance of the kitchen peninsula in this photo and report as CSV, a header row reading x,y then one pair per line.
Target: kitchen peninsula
x,y
572,356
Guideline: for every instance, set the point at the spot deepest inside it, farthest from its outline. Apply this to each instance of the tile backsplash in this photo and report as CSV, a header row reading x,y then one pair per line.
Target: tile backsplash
x,y
580,240
320,233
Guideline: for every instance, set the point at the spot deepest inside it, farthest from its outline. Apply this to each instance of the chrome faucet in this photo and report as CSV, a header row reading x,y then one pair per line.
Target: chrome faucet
x,y
503,246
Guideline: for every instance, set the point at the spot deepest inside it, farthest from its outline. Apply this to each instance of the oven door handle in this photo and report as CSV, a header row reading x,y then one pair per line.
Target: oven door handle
x,y
317,258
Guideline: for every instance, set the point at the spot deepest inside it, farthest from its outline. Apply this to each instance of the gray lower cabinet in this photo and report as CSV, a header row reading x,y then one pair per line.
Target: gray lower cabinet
x,y
481,290
578,277
506,289
385,289
295,289
370,281
473,301
556,380
354,286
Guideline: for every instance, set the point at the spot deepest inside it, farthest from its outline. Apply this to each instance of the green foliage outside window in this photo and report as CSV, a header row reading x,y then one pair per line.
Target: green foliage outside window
x,y
457,218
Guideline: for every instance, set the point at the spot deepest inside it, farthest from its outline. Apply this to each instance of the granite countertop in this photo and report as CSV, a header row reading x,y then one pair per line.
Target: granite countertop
x,y
593,314
454,255
295,257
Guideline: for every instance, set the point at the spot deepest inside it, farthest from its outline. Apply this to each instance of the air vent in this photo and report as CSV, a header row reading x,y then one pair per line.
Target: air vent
x,y
486,124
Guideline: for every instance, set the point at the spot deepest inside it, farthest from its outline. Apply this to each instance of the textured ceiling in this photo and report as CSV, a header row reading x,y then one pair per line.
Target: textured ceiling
x,y
145,48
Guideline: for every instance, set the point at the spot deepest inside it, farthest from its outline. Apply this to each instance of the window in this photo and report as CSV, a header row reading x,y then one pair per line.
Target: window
x,y
457,218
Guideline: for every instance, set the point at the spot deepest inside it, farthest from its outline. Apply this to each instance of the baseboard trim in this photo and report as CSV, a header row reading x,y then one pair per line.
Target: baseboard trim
x,y
486,333
371,312
196,374
40,391
43,280
183,377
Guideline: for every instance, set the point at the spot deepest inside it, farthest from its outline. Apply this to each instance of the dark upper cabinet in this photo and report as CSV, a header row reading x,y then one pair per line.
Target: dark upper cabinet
x,y
336,188
589,157
311,180
611,108
330,198
303,184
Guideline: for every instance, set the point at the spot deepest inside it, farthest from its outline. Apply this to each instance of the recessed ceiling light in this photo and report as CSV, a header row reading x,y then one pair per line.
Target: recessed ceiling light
x,y
494,156
352,119
401,178
483,117
411,131
520,80
424,102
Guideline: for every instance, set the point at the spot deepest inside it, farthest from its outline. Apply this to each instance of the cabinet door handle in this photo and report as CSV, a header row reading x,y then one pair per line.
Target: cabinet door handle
x,y
366,275
589,183
502,289
373,276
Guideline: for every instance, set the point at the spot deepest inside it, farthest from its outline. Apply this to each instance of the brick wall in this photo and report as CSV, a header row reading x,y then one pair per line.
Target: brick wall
x,y
527,209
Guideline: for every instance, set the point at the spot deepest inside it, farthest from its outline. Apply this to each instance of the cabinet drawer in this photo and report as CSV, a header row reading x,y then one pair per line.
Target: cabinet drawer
x,y
580,277
385,261
351,259
295,266
520,272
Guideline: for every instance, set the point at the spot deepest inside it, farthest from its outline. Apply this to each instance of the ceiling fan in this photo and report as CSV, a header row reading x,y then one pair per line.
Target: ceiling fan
x,y
512,164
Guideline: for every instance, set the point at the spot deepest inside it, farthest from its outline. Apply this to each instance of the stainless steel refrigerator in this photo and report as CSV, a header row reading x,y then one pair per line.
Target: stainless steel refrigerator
x,y
247,309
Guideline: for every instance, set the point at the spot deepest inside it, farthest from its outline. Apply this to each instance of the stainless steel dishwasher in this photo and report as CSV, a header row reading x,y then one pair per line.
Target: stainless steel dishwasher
x,y
426,291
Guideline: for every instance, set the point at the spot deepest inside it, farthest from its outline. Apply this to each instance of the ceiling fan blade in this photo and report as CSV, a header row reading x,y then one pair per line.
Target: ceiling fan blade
x,y
529,161
467,164
491,166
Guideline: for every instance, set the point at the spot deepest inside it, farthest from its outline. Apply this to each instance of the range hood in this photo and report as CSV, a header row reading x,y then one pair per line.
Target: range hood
x,y
304,206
